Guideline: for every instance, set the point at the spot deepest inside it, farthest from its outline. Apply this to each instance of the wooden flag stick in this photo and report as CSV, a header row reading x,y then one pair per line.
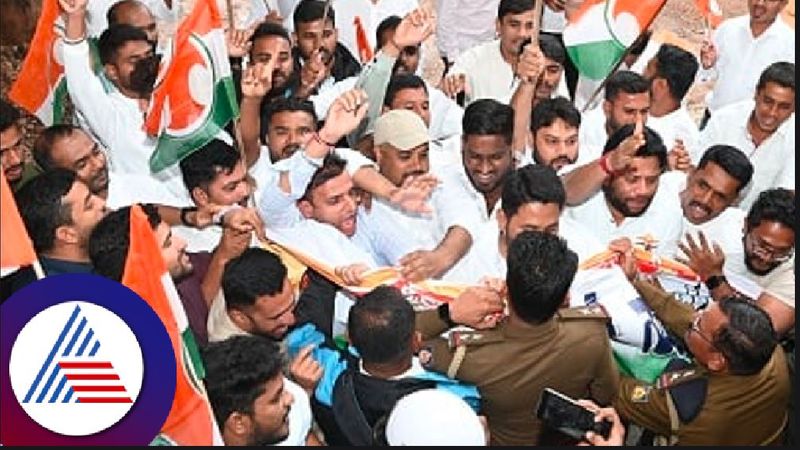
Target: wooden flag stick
x,y
237,132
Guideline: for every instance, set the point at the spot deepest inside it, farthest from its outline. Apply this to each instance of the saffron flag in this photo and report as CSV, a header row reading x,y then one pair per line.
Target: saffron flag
x,y
598,34
711,11
190,420
40,87
362,42
16,249
194,96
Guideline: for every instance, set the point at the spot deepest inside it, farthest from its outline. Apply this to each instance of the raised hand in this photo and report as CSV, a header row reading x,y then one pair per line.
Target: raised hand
x,y
678,157
478,307
238,42
531,63
257,79
314,72
415,27
413,195
453,84
305,370
621,157
701,257
555,5
344,115
708,54
71,7
244,220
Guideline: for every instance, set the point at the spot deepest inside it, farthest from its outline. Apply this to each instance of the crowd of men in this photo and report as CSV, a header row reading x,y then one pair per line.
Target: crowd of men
x,y
495,180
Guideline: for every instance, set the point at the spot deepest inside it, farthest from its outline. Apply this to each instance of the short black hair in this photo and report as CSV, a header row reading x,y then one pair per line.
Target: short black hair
x,y
653,146
627,82
332,166
284,104
748,339
254,273
540,271
732,160
488,117
268,28
237,370
114,38
201,167
780,73
387,24
380,326
43,147
548,110
110,241
399,82
507,7
311,10
678,67
532,183
42,209
8,115
552,48
773,205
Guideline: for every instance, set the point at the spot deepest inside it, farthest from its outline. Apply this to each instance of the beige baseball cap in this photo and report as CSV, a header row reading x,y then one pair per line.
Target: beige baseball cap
x,y
400,128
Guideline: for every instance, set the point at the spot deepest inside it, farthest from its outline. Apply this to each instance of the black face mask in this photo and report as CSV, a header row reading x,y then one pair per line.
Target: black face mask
x,y
144,74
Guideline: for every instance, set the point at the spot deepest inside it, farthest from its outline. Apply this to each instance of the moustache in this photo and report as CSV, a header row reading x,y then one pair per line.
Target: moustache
x,y
144,74
290,149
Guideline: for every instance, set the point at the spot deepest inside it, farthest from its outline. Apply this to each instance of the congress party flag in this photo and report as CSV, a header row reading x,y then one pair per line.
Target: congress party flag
x,y
40,86
190,420
16,249
600,32
710,11
194,96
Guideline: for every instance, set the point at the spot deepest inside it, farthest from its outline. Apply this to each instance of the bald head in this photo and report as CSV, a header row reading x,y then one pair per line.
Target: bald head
x,y
136,14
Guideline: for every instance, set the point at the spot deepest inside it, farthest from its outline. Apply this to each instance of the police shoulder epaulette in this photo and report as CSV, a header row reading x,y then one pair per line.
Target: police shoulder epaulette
x,y
688,389
583,312
461,338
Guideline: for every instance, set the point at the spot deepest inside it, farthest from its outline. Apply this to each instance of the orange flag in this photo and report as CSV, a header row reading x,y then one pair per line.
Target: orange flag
x,y
362,42
711,11
40,87
16,249
190,420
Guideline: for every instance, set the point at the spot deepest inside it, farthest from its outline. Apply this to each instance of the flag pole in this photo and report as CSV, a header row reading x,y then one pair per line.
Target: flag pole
x,y
237,132
621,59
37,269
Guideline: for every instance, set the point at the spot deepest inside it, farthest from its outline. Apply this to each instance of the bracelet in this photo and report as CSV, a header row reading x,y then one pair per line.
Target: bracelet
x,y
69,41
604,165
319,139
184,213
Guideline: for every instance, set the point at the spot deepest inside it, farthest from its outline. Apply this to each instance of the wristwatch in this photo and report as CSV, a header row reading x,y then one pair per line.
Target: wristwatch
x,y
714,281
444,314
184,215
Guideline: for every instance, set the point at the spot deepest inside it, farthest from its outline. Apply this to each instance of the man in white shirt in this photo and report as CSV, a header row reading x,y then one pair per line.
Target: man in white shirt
x,y
135,13
671,73
540,72
631,202
369,13
463,24
742,48
765,259
116,118
487,70
763,130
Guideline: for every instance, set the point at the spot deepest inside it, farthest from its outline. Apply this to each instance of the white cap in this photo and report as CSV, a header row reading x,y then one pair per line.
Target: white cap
x,y
400,128
434,417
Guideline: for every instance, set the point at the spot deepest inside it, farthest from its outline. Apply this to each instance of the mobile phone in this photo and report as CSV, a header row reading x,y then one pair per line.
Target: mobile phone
x,y
562,413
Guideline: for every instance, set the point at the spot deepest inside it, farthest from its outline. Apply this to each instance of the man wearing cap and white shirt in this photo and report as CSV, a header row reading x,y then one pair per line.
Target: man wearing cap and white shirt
x,y
438,239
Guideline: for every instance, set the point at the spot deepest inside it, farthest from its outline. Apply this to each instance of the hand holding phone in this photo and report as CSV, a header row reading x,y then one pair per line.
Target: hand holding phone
x,y
564,414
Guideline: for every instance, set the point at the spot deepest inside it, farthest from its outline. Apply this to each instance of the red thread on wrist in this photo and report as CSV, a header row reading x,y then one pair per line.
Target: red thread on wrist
x,y
319,139
604,165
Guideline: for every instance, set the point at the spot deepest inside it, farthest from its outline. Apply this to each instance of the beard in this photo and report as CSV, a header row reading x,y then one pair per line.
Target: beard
x,y
748,262
619,204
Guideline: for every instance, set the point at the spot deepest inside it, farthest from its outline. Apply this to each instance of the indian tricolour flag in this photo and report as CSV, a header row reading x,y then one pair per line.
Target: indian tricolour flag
x,y
40,87
190,420
194,96
598,34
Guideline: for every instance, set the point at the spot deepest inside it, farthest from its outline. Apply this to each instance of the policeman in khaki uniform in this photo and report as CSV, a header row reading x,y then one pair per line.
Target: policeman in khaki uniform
x,y
538,345
737,391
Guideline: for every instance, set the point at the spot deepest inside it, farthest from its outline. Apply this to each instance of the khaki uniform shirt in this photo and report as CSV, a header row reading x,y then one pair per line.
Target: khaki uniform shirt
x,y
514,362
737,410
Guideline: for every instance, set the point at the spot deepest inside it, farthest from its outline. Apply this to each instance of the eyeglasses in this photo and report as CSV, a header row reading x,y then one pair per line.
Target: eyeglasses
x,y
695,327
755,245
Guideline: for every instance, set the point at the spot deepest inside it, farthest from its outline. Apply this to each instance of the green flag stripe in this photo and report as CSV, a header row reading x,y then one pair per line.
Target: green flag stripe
x,y
596,59
172,149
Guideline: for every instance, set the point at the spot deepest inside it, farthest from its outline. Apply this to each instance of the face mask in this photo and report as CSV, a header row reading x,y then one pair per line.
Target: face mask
x,y
144,74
